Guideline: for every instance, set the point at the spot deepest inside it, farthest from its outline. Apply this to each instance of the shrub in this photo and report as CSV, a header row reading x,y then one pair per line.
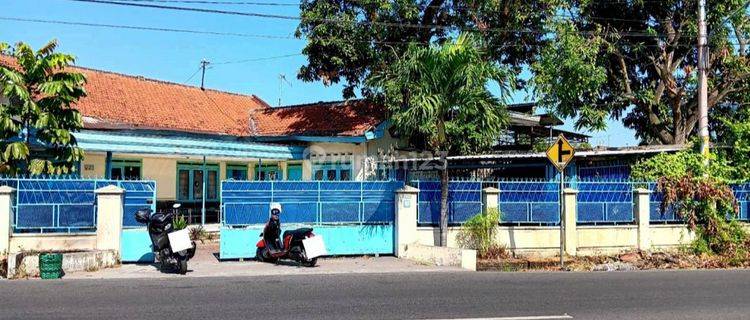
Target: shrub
x,y
179,223
479,232
704,203
197,233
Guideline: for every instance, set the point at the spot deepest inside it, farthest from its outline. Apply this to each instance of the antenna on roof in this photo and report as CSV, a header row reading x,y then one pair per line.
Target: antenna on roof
x,y
282,79
204,64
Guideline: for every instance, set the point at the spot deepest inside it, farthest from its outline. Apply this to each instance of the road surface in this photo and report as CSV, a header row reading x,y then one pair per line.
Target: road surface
x,y
445,295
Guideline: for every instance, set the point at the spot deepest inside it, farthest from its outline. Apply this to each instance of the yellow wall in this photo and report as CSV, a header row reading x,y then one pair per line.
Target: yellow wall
x,y
93,165
164,172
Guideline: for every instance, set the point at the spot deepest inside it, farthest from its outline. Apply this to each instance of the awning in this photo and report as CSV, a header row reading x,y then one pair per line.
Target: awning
x,y
172,144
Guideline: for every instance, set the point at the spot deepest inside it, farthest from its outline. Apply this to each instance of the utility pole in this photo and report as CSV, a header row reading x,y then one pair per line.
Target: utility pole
x,y
204,64
702,79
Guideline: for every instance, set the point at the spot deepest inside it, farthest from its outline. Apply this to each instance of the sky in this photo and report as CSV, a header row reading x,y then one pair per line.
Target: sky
x,y
244,64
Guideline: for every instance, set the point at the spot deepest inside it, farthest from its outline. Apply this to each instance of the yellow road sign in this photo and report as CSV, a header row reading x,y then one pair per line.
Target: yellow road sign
x,y
560,153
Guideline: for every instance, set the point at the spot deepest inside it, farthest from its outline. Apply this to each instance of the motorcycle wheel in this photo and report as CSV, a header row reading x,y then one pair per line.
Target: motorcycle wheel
x,y
182,266
260,256
310,262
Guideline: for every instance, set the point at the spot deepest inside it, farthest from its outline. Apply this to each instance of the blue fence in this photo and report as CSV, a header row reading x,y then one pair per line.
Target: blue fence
x,y
604,201
69,204
529,202
464,201
309,202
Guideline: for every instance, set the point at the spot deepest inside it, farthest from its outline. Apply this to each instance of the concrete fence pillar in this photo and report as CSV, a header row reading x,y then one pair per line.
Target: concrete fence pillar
x,y
570,214
489,198
406,218
6,201
109,210
642,215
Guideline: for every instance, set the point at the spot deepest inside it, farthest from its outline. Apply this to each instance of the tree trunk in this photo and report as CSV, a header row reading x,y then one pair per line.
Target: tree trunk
x,y
444,207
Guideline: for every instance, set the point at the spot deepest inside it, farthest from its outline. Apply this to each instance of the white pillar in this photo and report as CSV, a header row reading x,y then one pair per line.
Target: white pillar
x,y
109,210
490,198
406,218
570,208
6,201
642,215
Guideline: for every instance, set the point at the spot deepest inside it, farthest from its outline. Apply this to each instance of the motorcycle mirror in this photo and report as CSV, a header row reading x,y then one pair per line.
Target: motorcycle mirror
x,y
176,205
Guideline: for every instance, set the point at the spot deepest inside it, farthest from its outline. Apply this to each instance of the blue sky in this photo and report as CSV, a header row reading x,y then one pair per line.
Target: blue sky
x,y
175,57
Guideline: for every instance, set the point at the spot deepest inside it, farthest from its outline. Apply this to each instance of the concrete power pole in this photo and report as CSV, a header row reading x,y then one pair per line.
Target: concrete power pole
x,y
702,79
204,64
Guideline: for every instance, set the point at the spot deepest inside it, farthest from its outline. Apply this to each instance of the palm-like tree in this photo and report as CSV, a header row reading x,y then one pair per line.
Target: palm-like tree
x,y
439,99
36,116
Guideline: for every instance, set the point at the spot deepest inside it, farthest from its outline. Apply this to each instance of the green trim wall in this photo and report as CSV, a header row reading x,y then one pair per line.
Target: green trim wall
x,y
121,164
232,168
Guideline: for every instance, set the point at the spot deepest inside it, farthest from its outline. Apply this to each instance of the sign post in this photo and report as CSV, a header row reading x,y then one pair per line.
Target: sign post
x,y
560,154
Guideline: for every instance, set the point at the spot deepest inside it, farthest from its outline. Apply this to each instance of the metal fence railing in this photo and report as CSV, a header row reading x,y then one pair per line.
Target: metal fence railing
x,y
529,202
464,201
605,201
309,202
67,205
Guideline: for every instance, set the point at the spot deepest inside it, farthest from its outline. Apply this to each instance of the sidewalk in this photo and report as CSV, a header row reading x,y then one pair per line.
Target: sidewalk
x,y
206,264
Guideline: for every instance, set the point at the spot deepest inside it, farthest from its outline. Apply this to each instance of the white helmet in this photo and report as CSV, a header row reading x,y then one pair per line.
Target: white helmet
x,y
275,208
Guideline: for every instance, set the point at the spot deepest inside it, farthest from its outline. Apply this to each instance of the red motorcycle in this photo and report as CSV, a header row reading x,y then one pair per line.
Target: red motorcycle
x,y
292,245
291,248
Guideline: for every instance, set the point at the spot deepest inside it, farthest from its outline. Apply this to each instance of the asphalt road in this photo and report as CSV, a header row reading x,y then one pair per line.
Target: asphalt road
x,y
446,295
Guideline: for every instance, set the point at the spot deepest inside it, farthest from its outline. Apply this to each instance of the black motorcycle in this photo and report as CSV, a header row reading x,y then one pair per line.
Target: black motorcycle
x,y
160,225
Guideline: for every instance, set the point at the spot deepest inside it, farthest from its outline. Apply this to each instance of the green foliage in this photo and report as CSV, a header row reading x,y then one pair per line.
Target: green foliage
x,y
704,203
439,98
37,119
350,40
479,232
179,223
636,61
737,140
679,164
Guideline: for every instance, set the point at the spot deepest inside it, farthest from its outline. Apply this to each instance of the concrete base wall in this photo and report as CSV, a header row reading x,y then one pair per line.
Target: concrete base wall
x,y
52,242
440,256
592,240
23,265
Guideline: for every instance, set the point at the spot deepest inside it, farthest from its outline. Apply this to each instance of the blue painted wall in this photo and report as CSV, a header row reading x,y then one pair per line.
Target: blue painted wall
x,y
136,246
340,240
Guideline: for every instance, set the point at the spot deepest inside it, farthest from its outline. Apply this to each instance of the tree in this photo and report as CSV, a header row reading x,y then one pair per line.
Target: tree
x,y
37,118
440,101
350,40
636,61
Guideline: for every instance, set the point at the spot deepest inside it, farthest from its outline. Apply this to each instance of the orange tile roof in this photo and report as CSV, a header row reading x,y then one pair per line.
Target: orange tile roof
x,y
338,118
118,101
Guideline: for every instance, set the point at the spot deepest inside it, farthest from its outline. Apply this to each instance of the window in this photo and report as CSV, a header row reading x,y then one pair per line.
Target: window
x,y
237,172
294,172
333,171
190,182
125,170
268,172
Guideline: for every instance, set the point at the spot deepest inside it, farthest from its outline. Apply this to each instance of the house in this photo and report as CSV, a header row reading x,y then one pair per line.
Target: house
x,y
189,139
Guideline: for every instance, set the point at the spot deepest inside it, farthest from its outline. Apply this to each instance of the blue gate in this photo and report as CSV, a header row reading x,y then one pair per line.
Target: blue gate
x,y
353,217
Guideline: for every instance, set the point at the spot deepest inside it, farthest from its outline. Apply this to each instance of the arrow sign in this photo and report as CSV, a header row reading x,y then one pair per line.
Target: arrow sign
x,y
560,153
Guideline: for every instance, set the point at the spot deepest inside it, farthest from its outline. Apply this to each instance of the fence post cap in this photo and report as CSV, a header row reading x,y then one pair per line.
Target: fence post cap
x,y
6,190
408,189
570,191
642,191
491,190
110,189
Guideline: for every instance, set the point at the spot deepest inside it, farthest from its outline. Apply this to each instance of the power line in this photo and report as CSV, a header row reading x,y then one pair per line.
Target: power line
x,y
257,59
327,20
192,75
220,2
115,26
234,34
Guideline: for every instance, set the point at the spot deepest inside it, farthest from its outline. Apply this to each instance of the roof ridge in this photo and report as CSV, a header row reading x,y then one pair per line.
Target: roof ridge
x,y
319,103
